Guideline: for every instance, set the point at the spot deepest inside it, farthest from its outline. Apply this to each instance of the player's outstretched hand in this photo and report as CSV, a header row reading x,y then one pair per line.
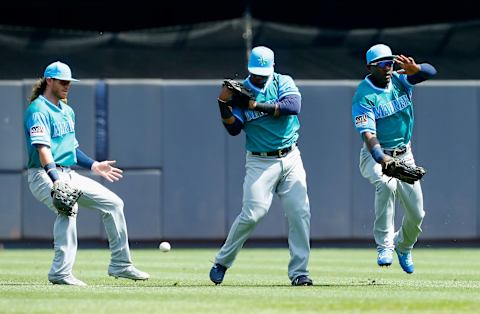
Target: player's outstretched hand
x,y
106,170
407,64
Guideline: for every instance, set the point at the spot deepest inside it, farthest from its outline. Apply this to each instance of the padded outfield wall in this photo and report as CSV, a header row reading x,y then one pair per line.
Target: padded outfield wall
x,y
184,174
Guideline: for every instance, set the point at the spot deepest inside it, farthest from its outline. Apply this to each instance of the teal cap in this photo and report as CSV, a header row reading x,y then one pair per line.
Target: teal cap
x,y
261,61
59,71
379,51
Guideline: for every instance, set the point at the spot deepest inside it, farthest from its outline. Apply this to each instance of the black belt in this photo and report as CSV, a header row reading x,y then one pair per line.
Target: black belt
x,y
277,153
396,152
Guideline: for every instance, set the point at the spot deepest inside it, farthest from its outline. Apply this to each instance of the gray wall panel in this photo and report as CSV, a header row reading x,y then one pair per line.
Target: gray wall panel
x,y
82,100
11,126
194,170
27,90
477,200
235,174
135,120
89,223
10,206
141,192
194,157
363,195
446,143
325,143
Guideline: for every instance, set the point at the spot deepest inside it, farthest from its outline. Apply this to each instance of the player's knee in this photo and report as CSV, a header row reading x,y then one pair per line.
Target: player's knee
x,y
386,186
418,217
117,203
252,216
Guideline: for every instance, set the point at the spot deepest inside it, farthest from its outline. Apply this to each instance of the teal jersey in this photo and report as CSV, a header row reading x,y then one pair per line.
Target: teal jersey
x,y
386,112
263,131
52,126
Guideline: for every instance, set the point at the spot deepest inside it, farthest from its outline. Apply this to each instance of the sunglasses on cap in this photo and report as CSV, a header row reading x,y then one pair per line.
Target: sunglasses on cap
x,y
383,64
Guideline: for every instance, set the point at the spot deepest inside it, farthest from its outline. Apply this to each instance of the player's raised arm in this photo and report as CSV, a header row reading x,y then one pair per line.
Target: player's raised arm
x,y
416,73
232,124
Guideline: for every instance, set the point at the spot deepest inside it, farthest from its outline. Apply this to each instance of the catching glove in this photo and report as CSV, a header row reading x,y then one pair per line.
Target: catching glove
x,y
65,197
397,168
241,94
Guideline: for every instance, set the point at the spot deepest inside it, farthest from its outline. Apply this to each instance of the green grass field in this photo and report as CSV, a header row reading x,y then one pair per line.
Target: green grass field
x,y
346,281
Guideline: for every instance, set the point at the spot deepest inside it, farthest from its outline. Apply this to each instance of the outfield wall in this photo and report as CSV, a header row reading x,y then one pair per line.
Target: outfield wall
x,y
184,173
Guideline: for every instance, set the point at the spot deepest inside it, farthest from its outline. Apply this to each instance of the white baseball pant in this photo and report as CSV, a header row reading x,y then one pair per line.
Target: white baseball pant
x,y
265,176
387,189
95,196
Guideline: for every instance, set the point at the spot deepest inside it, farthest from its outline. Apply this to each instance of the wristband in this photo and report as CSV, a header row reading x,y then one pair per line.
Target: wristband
x,y
377,153
265,107
51,170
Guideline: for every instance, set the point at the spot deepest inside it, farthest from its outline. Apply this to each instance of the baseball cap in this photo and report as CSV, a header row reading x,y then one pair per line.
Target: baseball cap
x,y
261,61
59,71
379,51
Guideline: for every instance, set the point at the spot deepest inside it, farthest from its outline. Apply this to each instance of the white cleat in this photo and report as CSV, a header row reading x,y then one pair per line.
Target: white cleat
x,y
69,280
130,273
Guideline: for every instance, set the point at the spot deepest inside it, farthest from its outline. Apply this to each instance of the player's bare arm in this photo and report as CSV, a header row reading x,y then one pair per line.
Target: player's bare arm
x,y
45,154
374,148
48,163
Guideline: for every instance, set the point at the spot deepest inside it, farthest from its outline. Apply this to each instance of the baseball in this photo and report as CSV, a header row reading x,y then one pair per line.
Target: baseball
x,y
164,247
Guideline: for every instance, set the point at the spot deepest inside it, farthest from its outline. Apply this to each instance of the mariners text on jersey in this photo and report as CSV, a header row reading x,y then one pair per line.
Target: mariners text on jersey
x,y
383,110
63,127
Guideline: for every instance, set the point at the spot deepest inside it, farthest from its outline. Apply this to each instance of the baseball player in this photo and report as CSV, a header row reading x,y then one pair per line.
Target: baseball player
x,y
382,112
52,149
273,163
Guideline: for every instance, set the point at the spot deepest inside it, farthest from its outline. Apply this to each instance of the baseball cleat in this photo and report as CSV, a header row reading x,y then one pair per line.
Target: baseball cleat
x,y
302,280
385,257
130,273
217,273
69,280
406,261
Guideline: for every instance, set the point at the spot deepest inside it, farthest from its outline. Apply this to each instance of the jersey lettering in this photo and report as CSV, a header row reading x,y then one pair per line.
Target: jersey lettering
x,y
252,115
62,128
390,108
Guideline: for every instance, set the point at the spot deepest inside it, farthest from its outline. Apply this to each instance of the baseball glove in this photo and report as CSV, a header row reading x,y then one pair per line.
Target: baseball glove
x,y
397,168
241,95
65,197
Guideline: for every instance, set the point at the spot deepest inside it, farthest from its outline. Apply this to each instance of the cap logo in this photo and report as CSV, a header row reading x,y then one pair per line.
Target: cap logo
x,y
262,61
